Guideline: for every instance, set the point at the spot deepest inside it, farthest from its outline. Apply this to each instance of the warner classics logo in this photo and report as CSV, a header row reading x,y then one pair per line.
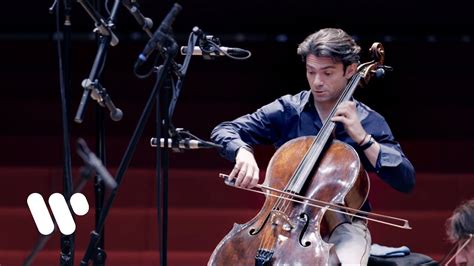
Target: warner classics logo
x,y
60,210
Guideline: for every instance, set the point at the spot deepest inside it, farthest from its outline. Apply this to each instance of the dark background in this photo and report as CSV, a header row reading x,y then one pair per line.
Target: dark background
x,y
427,99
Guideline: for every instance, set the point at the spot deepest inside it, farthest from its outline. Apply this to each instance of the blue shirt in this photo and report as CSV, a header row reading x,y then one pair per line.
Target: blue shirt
x,y
293,116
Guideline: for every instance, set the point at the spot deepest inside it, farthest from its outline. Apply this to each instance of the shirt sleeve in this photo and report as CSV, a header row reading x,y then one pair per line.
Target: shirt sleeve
x,y
392,166
260,127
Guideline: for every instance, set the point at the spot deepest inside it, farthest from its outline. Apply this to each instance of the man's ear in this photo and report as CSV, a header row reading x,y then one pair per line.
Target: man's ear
x,y
350,70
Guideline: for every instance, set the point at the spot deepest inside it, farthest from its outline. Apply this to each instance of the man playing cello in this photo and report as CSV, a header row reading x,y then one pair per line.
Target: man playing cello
x,y
331,57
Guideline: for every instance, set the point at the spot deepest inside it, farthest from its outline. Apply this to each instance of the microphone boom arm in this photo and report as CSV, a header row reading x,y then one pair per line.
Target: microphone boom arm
x,y
106,37
102,28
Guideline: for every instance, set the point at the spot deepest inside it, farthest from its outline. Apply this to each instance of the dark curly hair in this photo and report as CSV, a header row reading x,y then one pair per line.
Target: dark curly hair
x,y
331,42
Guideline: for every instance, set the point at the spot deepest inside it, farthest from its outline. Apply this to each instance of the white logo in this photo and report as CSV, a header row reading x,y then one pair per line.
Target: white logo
x,y
61,213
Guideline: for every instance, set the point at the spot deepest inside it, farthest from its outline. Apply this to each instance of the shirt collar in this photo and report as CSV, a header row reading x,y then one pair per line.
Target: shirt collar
x,y
307,102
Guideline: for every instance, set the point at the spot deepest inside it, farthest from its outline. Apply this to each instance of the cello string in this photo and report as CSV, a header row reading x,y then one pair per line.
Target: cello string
x,y
278,194
320,140
283,203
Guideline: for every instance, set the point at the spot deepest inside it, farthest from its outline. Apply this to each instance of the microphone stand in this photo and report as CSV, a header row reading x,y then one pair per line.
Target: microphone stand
x,y
67,243
161,71
92,163
93,88
168,49
166,130
91,85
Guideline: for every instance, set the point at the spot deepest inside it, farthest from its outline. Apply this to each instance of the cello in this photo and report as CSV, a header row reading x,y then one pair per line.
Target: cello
x,y
312,185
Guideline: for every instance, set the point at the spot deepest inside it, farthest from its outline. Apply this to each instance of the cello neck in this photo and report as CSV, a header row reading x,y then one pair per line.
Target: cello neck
x,y
314,152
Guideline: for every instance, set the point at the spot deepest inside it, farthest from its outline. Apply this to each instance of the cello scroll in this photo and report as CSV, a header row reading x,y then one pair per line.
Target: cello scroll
x,y
375,67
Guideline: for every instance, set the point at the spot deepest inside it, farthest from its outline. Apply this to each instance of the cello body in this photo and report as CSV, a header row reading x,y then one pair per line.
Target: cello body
x,y
291,233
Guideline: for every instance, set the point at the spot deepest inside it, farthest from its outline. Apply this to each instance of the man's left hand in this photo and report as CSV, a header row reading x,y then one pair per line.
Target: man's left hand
x,y
346,113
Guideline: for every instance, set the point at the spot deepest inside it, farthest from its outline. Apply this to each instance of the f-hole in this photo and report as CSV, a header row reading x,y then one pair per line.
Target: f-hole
x,y
254,231
303,217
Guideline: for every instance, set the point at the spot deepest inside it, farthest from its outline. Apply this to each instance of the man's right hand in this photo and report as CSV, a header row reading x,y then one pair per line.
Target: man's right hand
x,y
245,170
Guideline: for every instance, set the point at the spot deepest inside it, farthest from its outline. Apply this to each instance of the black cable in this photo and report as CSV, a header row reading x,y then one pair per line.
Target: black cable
x,y
106,5
218,48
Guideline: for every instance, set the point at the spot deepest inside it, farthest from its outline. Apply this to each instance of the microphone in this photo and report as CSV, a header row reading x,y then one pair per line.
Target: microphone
x,y
156,39
99,94
144,22
91,159
186,143
213,51
115,113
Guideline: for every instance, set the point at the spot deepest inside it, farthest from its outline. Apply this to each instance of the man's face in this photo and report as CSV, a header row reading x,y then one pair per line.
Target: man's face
x,y
327,78
466,255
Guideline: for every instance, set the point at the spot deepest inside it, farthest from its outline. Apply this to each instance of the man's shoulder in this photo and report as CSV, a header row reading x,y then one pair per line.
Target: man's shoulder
x,y
299,99
365,112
